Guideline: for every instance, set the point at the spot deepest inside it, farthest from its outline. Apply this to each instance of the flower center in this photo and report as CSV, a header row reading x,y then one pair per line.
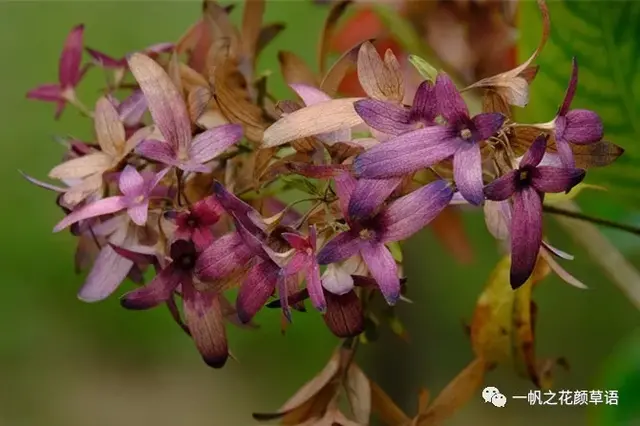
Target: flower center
x,y
184,255
367,234
192,222
139,199
524,176
465,134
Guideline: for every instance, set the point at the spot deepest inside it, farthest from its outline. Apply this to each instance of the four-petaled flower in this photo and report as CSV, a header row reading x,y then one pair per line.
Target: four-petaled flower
x,y
422,148
195,224
526,187
397,221
304,260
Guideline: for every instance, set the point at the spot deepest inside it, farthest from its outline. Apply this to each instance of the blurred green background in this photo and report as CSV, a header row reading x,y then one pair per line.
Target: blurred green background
x,y
68,363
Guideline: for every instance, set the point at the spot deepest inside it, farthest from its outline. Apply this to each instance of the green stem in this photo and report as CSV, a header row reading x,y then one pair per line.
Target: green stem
x,y
598,221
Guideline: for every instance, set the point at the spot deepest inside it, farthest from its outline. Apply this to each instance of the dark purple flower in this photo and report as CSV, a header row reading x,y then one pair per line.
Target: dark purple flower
x,y
425,147
526,187
69,74
394,119
136,190
202,309
195,224
397,221
169,113
578,126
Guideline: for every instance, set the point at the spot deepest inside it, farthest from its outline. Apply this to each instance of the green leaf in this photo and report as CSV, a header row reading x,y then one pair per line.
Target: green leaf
x,y
604,36
424,68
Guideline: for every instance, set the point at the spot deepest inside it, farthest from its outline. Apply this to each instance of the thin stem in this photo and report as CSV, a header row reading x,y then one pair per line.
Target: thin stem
x,y
598,221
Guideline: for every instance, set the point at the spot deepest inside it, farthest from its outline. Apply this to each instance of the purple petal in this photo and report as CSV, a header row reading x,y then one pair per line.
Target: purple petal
x,y
369,195
336,280
555,179
158,151
383,269
226,255
412,212
314,287
582,127
131,182
47,93
339,248
109,270
97,208
70,59
487,124
133,108
345,185
296,241
536,151
407,153
258,286
309,94
282,284
298,262
450,102
425,103
565,153
158,291
106,61
526,234
467,172
234,205
154,180
386,117
139,213
344,315
166,104
214,142
571,89
203,315
503,187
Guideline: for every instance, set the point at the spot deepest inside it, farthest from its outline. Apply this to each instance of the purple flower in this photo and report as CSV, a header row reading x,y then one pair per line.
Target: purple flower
x,y
131,110
195,224
136,191
170,115
394,119
304,260
578,126
397,221
526,187
202,310
69,74
109,62
425,147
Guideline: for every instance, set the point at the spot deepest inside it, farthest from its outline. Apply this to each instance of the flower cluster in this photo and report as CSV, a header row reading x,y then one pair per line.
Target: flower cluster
x,y
208,188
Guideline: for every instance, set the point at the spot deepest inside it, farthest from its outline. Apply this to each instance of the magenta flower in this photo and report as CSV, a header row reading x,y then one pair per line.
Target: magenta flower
x,y
202,310
526,187
578,126
195,224
108,62
131,110
136,191
394,119
425,147
398,221
69,74
304,260
170,115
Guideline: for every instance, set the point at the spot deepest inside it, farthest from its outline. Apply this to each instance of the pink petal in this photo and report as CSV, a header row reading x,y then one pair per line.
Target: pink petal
x,y
314,287
131,182
106,61
340,247
165,103
467,172
208,145
70,59
108,272
158,151
97,208
139,213
296,241
450,102
226,255
258,286
47,93
526,234
309,94
369,195
158,48
158,291
133,108
383,269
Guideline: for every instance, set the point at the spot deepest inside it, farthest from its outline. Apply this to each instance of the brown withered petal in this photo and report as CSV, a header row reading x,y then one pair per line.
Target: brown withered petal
x,y
252,17
342,151
344,315
358,391
198,100
383,406
335,13
203,315
380,79
85,254
457,393
493,101
261,163
345,63
218,23
267,34
513,85
295,71
281,166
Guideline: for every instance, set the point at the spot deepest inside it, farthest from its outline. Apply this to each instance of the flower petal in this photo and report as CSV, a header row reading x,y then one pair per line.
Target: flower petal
x,y
536,151
131,182
467,172
386,117
106,61
69,67
158,291
208,145
383,269
324,117
502,188
47,93
226,255
560,271
41,184
380,79
406,153
97,208
158,151
203,315
369,194
259,284
450,102
571,89
314,287
497,217
526,234
109,270
412,212
565,153
555,179
309,94
165,103
109,129
487,124
133,108
78,168
337,280
344,315
583,127
139,213
345,185
425,103
340,247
